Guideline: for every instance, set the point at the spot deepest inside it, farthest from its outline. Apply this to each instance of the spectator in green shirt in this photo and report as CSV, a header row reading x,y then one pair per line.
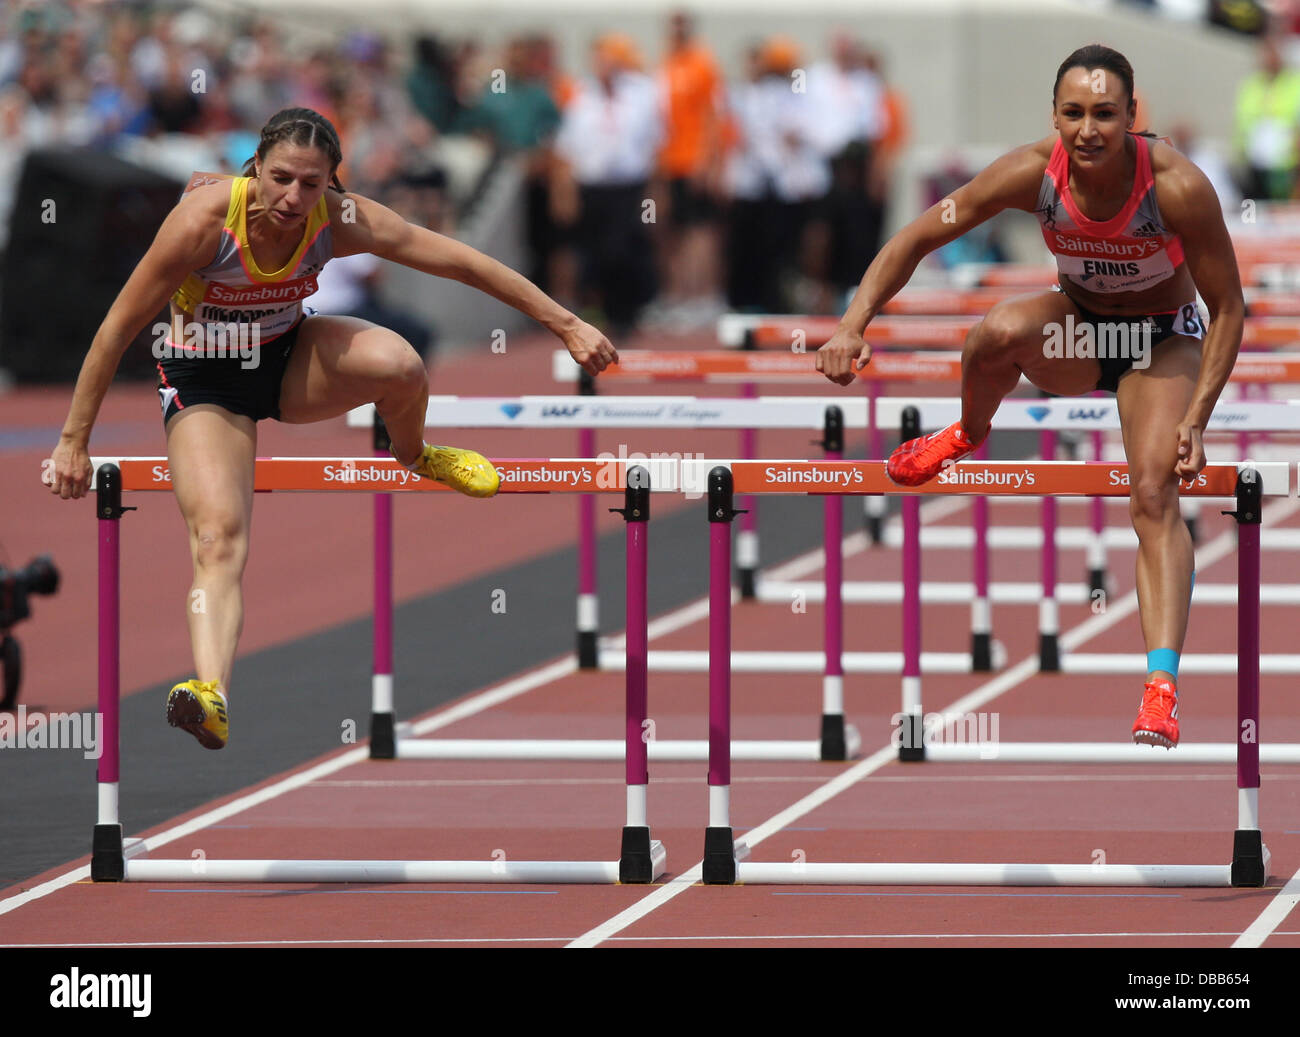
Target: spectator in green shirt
x,y
1268,125
515,108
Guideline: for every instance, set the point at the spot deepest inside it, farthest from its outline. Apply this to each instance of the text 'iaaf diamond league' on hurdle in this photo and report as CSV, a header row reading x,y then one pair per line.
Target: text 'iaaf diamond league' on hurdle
x,y
642,859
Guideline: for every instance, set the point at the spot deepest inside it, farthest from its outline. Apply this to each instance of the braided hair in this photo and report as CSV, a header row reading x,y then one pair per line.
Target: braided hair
x,y
304,128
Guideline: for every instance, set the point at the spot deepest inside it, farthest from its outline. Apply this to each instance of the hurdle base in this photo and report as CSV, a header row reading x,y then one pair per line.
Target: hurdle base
x,y
1097,584
641,859
748,584
588,658
981,653
107,858
911,739
1049,653
840,741
722,854
383,737
1249,858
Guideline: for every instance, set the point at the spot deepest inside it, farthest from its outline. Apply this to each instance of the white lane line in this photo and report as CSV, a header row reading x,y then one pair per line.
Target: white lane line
x,y
1214,551
1272,916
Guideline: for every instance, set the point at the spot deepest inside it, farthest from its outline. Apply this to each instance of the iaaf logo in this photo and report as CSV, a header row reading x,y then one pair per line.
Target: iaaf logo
x,y
1073,414
125,990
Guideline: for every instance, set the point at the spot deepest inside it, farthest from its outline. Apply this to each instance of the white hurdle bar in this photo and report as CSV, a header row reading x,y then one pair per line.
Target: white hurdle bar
x,y
837,741
726,860
114,859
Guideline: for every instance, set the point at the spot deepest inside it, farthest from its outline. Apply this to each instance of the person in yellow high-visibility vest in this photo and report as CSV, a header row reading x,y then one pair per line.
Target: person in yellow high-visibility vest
x,y
1268,127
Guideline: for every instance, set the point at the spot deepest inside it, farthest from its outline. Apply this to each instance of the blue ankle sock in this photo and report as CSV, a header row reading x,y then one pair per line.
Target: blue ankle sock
x,y
1165,660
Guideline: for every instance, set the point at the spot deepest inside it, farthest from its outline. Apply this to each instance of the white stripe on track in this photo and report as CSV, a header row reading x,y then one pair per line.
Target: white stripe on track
x,y
1272,916
1219,548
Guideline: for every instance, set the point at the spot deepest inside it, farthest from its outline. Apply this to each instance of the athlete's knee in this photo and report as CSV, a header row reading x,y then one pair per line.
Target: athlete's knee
x,y
994,341
1153,499
219,542
402,368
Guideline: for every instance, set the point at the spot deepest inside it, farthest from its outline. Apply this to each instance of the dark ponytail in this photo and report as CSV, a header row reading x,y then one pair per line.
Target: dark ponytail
x,y
1093,57
304,128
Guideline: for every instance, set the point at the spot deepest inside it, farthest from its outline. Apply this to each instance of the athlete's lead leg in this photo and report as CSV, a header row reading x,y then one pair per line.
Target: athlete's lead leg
x,y
1010,341
341,362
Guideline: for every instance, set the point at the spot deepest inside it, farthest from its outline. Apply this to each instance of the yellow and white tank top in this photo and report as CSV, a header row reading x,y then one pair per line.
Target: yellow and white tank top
x,y
232,289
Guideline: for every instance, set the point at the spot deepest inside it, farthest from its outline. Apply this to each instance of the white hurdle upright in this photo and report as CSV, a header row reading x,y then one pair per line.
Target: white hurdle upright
x,y
837,740
725,859
114,859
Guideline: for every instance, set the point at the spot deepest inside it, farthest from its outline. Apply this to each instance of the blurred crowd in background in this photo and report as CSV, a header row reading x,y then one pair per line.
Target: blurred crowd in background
x,y
657,192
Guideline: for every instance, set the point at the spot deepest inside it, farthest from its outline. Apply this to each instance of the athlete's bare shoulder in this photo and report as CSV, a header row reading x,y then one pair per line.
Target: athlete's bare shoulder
x,y
1180,184
1015,179
194,225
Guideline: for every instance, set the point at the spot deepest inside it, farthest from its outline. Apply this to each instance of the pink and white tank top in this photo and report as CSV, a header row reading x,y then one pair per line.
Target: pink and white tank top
x,y
1131,252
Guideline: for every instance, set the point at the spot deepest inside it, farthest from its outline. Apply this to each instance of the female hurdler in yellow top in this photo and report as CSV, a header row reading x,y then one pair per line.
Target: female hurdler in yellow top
x,y
235,258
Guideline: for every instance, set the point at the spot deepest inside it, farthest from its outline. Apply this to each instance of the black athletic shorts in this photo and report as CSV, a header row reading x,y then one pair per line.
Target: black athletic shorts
x,y
247,383
1186,320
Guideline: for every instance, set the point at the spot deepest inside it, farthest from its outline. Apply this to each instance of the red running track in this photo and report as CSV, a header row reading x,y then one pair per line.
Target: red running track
x,y
885,811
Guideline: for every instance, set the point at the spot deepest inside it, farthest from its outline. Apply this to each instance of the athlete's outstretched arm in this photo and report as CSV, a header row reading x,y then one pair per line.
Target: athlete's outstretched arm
x,y
186,241
382,232
1011,182
1191,208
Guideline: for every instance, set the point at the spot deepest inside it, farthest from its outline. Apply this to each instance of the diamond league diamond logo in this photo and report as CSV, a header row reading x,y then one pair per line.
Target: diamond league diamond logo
x,y
1038,413
511,410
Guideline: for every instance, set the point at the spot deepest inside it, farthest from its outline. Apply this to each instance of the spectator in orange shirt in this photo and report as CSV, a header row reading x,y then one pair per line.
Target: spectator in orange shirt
x,y
690,164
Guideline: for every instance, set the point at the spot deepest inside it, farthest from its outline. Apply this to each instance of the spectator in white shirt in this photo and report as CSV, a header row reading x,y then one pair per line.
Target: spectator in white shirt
x,y
608,144
774,175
